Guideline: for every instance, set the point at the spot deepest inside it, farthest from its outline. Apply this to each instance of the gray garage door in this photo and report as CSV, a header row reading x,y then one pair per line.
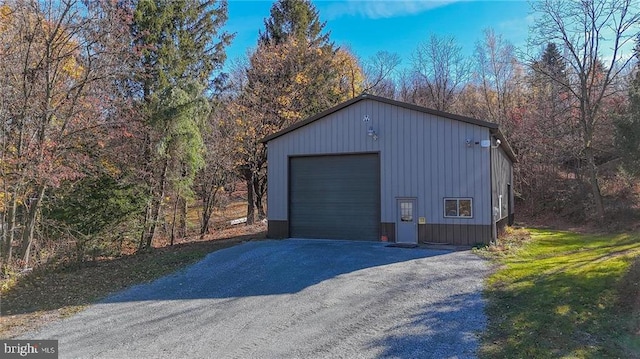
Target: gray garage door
x,y
336,197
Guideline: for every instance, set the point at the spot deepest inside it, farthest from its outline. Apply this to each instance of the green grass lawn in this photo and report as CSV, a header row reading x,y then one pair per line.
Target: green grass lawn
x,y
563,295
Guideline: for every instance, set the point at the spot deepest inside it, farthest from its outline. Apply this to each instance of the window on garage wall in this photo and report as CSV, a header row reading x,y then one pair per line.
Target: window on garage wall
x,y
458,207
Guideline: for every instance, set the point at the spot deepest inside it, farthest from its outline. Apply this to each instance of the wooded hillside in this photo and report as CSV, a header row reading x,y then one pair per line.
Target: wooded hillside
x,y
119,126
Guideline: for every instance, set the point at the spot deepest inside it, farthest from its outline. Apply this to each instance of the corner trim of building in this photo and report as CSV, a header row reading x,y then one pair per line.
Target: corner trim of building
x,y
277,229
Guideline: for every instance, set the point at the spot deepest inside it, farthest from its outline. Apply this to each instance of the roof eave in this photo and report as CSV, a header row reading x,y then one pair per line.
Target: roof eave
x,y
490,125
505,144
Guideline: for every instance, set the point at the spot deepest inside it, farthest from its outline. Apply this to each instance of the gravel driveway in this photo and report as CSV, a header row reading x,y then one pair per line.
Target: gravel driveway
x,y
291,299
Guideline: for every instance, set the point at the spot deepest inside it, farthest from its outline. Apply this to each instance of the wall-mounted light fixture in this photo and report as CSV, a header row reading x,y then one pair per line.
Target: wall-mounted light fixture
x,y
372,133
487,143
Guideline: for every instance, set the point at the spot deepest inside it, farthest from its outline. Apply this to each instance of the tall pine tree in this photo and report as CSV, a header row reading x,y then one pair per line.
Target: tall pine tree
x,y
628,126
295,33
551,63
549,83
296,19
181,49
291,75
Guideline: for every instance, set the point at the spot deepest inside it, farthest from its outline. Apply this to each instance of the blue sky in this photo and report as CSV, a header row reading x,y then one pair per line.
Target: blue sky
x,y
368,26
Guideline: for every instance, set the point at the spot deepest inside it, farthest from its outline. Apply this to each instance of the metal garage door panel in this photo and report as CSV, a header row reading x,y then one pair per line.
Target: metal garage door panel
x,y
335,197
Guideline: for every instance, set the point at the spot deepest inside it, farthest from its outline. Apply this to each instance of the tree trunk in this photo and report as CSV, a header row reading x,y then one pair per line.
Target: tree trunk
x,y
156,203
148,167
259,192
206,216
10,230
592,170
3,236
260,206
143,233
145,225
173,220
250,201
208,204
183,217
153,222
28,235
179,217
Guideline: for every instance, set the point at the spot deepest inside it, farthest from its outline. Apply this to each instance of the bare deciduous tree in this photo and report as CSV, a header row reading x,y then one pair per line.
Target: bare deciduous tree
x,y
59,60
495,66
442,71
378,71
218,170
592,35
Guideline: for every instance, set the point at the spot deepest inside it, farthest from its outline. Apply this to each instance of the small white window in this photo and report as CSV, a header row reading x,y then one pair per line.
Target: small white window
x,y
458,207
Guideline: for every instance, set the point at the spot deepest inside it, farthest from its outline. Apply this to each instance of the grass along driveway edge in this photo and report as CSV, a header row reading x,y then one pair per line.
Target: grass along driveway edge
x,y
48,294
562,294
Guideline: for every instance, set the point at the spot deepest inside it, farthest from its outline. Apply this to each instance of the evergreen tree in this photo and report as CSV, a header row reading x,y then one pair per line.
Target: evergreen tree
x,y
296,19
293,74
551,62
549,84
305,54
180,41
181,50
628,125
549,143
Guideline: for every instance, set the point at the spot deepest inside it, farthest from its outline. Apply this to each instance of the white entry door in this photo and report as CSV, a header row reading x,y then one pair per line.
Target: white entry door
x,y
406,223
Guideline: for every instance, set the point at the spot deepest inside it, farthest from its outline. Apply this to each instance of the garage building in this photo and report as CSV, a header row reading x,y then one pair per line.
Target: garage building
x,y
377,169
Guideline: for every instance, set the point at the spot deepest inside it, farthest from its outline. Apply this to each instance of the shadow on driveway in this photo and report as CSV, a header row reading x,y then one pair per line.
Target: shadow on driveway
x,y
269,268
291,299
445,329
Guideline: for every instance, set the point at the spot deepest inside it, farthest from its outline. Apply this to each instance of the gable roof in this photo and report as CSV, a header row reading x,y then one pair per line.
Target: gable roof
x,y
493,127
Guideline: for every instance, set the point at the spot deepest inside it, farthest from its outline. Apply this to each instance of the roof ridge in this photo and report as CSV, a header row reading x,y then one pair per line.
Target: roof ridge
x,y
494,127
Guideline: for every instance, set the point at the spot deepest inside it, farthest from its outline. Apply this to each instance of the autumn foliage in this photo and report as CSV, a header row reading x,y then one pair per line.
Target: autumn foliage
x,y
120,130
55,110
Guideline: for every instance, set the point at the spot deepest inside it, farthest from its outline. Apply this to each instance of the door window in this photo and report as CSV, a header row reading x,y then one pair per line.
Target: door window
x,y
406,211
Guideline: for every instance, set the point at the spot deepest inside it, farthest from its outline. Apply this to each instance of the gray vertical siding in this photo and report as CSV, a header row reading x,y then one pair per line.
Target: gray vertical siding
x,y
502,175
421,155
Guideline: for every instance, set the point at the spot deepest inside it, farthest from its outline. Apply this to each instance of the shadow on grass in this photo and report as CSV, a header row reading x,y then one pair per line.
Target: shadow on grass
x,y
559,298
